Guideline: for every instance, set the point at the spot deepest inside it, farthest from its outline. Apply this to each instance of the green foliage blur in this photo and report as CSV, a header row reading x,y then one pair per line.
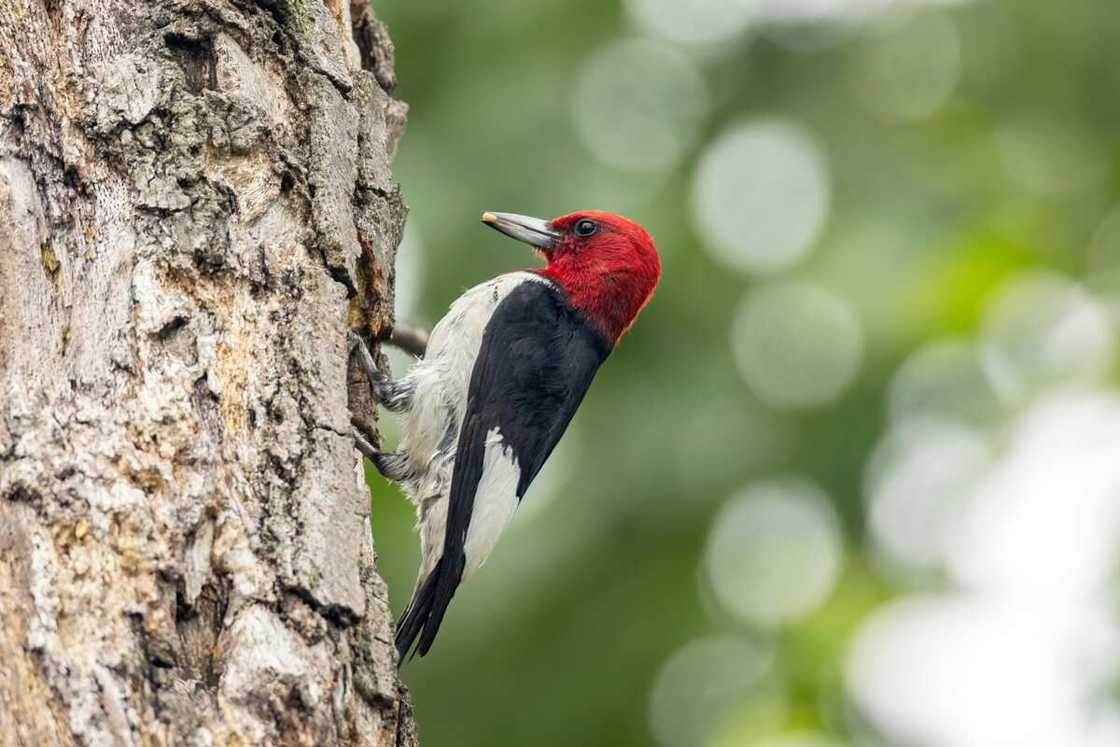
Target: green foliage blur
x,y
943,182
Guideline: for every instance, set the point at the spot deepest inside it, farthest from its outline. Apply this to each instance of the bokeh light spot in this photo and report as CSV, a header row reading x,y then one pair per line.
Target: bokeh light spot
x,y
1049,157
638,105
918,480
699,684
911,68
774,552
690,21
797,346
1044,521
810,11
1045,330
760,196
943,380
837,14
970,671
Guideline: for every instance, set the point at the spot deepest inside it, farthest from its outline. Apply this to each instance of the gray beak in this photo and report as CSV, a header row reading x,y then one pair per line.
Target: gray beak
x,y
532,231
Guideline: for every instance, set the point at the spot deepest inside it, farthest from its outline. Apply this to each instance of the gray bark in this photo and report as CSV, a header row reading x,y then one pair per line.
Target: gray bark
x,y
196,205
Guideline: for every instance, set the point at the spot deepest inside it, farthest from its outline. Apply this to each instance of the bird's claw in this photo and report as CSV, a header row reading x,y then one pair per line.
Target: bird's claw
x,y
365,360
365,446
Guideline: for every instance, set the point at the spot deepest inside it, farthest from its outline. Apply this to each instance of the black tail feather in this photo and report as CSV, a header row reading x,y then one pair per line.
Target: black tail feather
x,y
426,610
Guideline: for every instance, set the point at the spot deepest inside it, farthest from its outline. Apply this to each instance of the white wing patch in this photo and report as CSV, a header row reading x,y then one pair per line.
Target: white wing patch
x,y
494,502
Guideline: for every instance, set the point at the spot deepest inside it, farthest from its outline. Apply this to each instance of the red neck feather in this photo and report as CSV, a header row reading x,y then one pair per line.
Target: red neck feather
x,y
608,278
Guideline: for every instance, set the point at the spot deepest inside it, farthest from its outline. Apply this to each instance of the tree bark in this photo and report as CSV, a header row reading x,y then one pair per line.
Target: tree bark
x,y
196,205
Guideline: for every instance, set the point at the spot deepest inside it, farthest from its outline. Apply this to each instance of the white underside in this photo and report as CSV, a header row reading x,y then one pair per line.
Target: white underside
x,y
430,430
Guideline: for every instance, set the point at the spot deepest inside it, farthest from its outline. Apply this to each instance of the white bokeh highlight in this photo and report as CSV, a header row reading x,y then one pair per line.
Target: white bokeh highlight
x,y
944,379
1022,522
1044,330
690,22
698,686
919,481
761,12
760,196
1045,519
639,105
963,671
796,346
774,552
911,68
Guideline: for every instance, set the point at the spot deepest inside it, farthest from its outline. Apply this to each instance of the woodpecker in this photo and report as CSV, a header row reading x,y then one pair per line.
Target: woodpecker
x,y
503,374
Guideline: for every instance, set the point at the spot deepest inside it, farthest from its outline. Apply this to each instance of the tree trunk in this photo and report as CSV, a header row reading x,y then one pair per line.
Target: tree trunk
x,y
195,206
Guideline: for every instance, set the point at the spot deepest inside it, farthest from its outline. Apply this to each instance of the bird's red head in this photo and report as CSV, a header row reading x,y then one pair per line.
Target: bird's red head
x,y
607,264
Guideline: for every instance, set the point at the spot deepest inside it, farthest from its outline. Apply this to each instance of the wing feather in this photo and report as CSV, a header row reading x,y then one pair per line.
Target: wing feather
x,y
536,361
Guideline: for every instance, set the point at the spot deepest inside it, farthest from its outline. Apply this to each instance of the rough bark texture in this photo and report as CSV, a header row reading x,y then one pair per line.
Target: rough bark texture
x,y
195,206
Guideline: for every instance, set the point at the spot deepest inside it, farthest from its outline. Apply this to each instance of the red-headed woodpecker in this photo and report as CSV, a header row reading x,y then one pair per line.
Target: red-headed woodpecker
x,y
504,372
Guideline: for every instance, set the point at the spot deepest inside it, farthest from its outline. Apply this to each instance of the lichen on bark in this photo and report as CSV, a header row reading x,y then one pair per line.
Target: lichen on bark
x,y
196,205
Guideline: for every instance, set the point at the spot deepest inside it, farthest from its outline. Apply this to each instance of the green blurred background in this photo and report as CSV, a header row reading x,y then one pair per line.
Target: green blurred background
x,y
854,477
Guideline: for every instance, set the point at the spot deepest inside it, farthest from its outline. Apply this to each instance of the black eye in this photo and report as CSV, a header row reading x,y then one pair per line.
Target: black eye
x,y
586,227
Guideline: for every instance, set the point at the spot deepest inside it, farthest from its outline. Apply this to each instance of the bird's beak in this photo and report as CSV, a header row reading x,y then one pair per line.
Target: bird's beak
x,y
533,231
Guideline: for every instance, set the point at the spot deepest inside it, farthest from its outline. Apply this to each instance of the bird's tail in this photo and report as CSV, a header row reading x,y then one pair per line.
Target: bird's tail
x,y
429,604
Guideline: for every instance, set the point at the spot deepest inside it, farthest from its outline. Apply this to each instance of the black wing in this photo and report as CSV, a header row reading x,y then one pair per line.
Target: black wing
x,y
537,359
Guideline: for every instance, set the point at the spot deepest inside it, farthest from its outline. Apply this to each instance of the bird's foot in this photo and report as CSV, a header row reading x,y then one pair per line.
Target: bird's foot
x,y
358,347
365,446
394,396
393,465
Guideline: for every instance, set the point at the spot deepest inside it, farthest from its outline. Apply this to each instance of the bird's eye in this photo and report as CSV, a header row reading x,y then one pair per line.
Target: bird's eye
x,y
586,227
